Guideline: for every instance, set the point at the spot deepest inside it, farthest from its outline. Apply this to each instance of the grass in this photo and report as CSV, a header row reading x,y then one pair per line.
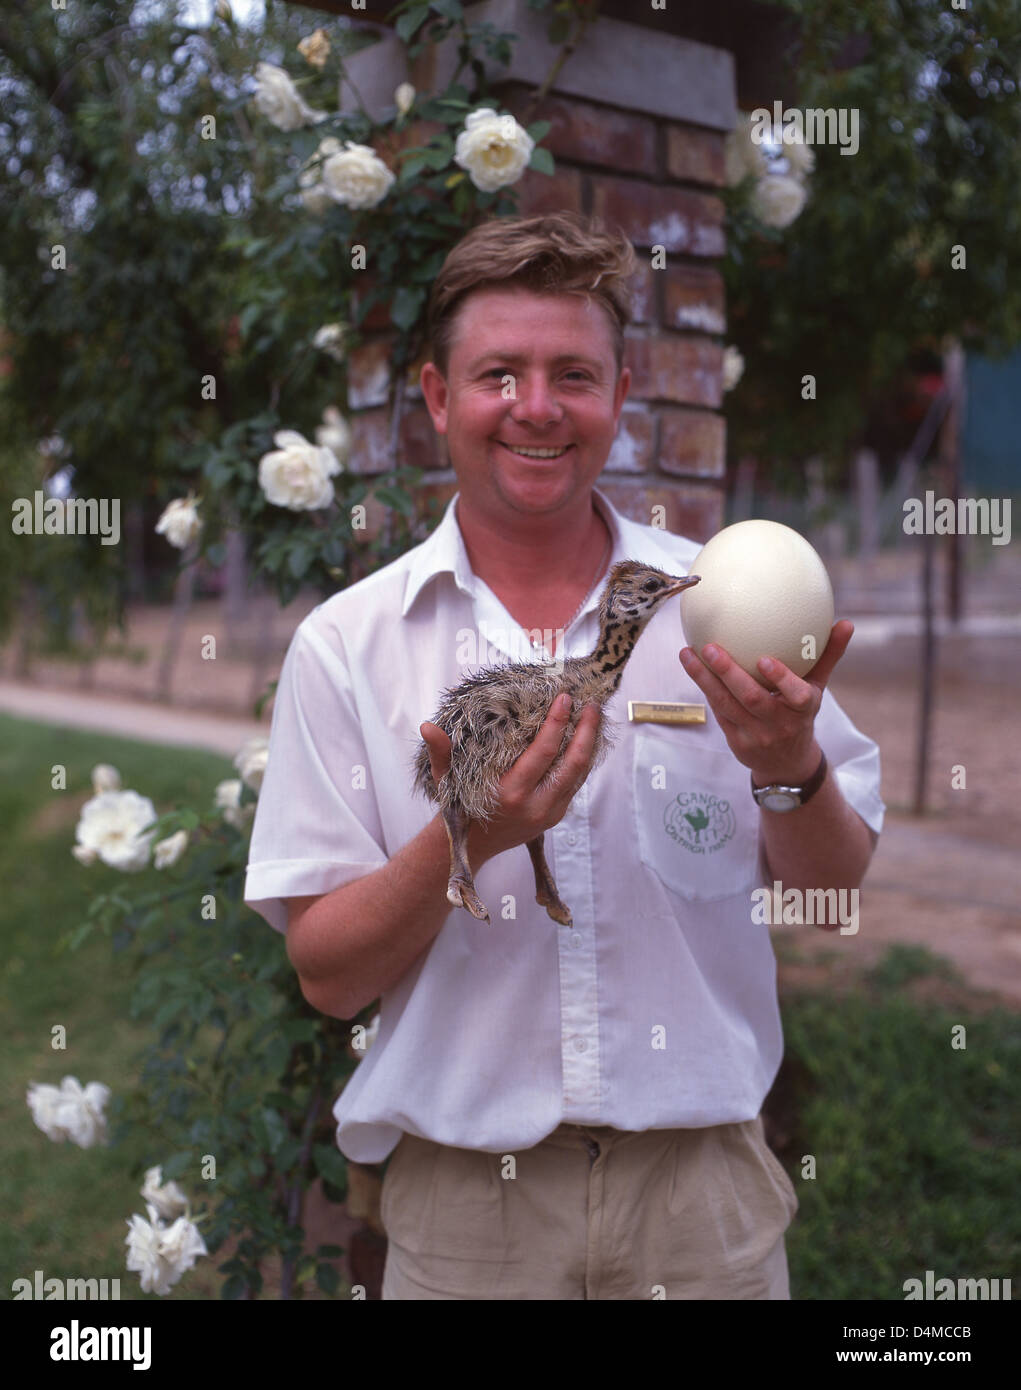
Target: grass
x,y
66,1207
912,1138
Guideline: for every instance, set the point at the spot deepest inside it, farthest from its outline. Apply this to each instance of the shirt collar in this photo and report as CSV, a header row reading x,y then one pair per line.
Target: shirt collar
x,y
444,551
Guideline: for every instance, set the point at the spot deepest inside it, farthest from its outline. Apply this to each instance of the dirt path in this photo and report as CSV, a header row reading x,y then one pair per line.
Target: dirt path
x,y
948,881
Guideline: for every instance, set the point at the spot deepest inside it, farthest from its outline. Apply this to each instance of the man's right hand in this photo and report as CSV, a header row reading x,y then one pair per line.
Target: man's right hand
x,y
523,811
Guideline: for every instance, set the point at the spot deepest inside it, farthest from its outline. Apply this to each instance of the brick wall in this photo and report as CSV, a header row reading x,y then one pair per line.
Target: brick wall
x,y
657,178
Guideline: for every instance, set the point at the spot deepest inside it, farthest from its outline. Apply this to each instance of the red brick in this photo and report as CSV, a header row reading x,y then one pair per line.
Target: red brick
x,y
693,298
669,367
652,215
695,155
633,450
591,134
540,193
644,298
692,443
694,510
368,379
419,443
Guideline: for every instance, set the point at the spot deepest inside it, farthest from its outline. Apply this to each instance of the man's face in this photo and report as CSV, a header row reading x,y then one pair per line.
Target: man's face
x,y
565,394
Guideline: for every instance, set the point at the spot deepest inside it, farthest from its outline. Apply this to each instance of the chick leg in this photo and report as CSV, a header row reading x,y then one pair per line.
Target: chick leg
x,y
461,886
546,894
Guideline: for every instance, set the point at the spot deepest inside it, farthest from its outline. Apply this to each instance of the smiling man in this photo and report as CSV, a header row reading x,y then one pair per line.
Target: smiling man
x,y
569,1112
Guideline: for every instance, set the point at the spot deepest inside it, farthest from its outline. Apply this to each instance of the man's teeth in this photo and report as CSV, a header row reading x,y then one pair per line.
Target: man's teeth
x,y
538,453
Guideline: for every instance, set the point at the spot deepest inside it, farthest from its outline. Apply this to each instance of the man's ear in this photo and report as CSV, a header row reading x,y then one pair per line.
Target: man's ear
x,y
435,394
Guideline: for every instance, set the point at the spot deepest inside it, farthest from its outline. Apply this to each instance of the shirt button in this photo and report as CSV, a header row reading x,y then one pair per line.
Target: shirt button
x,y
572,839
580,1045
575,940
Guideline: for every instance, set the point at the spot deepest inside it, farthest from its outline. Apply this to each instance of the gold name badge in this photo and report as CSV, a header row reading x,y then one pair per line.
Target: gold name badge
x,y
664,712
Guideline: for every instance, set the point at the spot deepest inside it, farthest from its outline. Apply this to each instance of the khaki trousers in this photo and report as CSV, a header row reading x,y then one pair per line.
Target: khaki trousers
x,y
590,1212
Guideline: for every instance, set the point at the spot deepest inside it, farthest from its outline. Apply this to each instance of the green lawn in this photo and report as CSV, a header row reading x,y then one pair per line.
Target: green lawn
x,y
912,1139
65,1208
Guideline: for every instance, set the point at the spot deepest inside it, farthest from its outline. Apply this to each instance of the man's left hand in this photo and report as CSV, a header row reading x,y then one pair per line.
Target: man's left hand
x,y
772,732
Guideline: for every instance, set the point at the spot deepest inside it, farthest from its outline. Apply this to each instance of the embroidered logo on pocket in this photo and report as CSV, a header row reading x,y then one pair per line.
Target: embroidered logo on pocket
x,y
700,822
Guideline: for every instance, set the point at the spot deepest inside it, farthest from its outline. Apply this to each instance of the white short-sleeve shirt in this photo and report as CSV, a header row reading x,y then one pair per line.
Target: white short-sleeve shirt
x,y
658,1007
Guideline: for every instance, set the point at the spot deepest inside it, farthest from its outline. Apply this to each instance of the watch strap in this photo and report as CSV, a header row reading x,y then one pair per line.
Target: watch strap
x,y
807,790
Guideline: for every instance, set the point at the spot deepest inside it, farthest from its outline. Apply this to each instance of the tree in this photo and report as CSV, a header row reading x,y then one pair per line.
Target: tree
x,y
913,238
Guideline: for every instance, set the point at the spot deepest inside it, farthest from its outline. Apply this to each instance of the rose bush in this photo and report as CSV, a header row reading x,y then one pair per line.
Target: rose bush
x,y
237,1084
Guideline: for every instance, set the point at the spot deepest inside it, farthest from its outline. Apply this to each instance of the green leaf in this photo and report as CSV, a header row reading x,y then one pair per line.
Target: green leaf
x,y
406,306
541,160
276,1129
330,1164
327,1278
177,1165
538,129
450,9
411,21
299,558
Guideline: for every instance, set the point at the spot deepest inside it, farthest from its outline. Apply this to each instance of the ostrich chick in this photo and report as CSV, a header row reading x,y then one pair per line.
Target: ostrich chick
x,y
493,716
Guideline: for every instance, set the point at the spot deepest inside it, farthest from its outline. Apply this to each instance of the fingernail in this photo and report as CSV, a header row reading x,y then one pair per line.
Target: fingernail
x,y
711,653
767,665
563,704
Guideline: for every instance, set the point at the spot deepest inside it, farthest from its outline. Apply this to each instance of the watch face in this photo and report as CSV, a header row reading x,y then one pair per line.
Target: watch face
x,y
780,801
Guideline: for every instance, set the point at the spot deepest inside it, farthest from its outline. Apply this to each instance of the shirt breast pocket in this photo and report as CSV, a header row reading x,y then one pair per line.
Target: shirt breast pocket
x,y
697,825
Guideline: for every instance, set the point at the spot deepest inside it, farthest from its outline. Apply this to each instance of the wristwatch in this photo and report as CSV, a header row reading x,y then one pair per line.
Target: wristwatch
x,y
778,797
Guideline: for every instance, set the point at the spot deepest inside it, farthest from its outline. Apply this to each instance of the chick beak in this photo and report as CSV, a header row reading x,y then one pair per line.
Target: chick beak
x,y
681,584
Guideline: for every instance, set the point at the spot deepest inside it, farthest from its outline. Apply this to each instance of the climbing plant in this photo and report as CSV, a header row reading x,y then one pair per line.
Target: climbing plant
x,y
338,214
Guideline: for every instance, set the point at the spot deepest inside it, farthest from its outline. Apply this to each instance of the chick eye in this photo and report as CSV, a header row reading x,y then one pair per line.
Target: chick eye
x,y
650,586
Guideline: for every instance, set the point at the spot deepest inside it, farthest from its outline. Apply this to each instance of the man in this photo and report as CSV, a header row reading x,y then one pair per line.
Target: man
x,y
572,1112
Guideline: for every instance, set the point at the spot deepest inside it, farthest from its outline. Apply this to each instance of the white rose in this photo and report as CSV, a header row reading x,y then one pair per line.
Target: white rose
x,y
800,157
733,368
169,851
44,1103
778,199
494,149
330,339
314,197
105,778
356,177
297,473
83,855
335,435
251,761
277,98
313,194
73,1112
180,522
167,1198
742,155
161,1254
404,97
228,800
111,824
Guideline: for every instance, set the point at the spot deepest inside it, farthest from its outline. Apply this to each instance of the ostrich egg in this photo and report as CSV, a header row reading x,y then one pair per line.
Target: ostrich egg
x,y
764,592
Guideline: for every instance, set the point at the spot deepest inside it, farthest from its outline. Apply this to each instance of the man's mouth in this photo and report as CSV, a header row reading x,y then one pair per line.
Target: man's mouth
x,y
527,452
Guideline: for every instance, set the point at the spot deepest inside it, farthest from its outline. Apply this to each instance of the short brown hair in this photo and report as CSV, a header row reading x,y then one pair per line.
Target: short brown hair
x,y
557,253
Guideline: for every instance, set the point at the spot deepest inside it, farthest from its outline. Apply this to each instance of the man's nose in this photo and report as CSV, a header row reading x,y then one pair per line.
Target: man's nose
x,y
535,400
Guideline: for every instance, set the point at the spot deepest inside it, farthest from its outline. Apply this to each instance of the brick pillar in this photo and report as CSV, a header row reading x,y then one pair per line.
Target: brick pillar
x,y
638,141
